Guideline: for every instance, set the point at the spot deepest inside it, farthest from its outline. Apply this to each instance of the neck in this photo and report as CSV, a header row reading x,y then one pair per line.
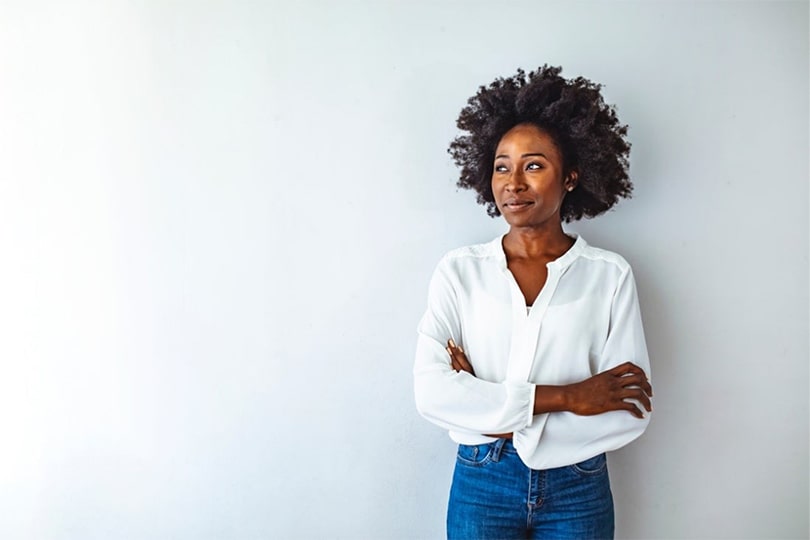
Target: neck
x,y
530,242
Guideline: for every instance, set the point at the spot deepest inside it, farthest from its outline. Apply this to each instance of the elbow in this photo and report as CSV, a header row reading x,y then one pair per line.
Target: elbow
x,y
430,410
638,426
430,392
429,404
422,401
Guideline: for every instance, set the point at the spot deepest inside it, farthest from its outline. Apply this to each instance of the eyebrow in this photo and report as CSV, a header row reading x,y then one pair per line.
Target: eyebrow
x,y
523,155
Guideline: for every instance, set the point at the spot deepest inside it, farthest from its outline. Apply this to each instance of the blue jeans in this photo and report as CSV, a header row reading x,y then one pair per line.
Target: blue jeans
x,y
494,495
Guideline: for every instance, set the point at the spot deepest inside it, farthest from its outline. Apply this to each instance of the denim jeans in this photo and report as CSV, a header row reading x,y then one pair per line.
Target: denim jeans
x,y
495,496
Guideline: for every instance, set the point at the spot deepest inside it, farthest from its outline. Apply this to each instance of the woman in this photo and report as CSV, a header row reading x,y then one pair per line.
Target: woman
x,y
531,351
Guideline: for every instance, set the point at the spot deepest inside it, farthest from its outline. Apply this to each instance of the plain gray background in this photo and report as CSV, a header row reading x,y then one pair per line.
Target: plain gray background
x,y
218,221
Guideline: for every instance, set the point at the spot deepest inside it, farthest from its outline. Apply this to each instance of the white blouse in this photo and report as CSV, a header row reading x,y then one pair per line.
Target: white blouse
x,y
585,320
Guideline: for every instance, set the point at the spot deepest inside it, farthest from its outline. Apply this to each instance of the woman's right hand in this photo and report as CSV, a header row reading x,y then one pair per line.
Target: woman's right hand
x,y
609,391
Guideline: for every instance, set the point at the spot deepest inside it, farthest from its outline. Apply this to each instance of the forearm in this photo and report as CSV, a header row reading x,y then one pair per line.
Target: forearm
x,y
548,398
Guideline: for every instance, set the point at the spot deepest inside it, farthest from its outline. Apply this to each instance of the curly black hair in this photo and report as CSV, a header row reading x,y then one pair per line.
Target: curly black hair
x,y
586,130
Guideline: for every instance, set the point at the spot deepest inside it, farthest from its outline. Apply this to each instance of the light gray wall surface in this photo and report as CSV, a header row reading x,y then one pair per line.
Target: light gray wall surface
x,y
218,221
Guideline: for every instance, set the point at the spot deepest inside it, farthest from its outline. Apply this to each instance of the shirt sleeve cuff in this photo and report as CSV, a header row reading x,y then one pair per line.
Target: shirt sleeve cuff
x,y
530,408
522,397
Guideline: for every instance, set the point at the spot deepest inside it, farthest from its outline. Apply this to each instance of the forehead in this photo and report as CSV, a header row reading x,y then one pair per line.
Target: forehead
x,y
527,139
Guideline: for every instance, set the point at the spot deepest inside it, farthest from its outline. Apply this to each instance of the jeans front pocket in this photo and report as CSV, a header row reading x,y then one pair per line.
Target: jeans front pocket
x,y
591,467
475,454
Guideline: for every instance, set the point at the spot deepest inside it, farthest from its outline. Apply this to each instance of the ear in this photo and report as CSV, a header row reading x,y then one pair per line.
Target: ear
x,y
571,181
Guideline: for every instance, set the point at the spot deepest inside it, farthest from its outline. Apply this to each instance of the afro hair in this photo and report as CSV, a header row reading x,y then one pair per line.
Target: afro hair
x,y
587,132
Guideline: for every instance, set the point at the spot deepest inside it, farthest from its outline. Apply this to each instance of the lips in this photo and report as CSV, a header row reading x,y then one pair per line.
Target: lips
x,y
516,205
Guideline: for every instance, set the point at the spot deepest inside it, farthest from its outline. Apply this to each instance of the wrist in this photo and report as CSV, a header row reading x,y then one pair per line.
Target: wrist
x,y
551,399
567,398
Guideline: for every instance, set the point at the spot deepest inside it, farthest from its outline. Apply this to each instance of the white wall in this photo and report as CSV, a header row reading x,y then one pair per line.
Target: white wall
x,y
218,219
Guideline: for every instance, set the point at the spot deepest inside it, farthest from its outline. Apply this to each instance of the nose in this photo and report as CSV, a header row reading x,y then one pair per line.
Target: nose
x,y
516,182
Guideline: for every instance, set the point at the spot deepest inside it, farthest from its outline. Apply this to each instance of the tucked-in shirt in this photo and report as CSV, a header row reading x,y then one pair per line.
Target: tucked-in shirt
x,y
585,320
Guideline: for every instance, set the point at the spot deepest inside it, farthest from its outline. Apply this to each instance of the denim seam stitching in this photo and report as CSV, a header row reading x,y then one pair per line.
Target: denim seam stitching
x,y
484,461
529,501
589,472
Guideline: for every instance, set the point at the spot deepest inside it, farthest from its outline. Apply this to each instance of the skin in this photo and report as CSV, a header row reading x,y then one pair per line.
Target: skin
x,y
529,185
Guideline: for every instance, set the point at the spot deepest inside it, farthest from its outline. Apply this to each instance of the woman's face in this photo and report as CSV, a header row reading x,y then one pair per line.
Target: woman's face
x,y
527,177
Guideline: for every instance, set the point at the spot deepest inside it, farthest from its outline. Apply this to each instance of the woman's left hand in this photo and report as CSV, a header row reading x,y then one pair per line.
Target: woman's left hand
x,y
458,359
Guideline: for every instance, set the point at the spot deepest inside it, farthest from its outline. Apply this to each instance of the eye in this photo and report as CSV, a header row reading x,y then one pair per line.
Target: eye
x,y
534,166
500,168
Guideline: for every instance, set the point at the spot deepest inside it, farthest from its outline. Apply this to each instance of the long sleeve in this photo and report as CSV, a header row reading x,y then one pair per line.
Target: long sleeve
x,y
575,435
459,401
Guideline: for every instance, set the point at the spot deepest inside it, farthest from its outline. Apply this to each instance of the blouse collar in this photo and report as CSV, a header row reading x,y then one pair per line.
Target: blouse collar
x,y
562,262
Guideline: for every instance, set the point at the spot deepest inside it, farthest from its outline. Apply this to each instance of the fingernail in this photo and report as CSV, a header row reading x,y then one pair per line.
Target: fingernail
x,y
460,349
452,343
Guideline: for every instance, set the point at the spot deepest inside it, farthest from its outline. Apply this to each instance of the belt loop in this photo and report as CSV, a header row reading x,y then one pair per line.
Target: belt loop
x,y
497,448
